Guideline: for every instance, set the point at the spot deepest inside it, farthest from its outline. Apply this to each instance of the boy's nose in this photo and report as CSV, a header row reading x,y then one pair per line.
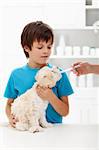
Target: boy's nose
x,y
45,50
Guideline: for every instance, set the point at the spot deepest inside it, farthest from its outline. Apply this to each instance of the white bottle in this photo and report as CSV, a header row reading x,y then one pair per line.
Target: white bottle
x,y
81,81
68,50
76,50
97,52
61,47
90,80
85,50
59,51
92,51
73,79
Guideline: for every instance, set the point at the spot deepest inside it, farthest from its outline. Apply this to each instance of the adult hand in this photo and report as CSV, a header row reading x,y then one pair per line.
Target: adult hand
x,y
84,68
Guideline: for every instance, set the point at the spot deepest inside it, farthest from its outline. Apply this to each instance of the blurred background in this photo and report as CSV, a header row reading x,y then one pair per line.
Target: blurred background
x,y
76,28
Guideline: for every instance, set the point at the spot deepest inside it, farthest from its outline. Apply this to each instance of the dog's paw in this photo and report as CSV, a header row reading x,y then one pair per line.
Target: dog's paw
x,y
34,129
46,125
21,127
50,125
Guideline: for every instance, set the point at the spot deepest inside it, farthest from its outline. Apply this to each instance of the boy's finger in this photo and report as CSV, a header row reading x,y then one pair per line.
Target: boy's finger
x,y
12,124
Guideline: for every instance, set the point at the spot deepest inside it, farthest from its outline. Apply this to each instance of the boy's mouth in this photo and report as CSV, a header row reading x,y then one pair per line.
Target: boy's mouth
x,y
44,56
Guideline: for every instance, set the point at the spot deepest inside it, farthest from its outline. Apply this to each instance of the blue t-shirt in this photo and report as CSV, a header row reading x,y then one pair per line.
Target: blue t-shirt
x,y
23,78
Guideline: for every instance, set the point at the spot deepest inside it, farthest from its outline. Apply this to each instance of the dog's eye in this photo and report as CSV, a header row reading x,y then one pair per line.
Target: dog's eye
x,y
44,76
54,71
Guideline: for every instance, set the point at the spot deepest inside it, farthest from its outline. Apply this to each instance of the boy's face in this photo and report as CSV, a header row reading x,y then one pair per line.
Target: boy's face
x,y
40,52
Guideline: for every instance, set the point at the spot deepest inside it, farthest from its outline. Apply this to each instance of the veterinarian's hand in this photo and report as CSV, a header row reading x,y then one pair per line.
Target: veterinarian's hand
x,y
84,68
44,93
12,120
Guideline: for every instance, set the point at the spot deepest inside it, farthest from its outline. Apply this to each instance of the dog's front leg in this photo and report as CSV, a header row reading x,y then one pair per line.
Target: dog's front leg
x,y
34,125
22,123
43,121
21,126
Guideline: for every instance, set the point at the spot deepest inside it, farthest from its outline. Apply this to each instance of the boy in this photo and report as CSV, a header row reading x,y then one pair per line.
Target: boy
x,y
37,40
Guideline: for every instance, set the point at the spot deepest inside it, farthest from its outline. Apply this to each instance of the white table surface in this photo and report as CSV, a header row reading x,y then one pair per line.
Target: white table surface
x,y
72,137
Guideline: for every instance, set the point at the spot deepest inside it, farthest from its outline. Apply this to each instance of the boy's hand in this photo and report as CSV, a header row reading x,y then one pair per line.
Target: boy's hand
x,y
12,120
44,93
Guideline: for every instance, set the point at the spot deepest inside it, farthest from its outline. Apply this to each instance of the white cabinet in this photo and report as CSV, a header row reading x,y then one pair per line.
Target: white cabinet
x,y
91,12
84,103
65,14
84,107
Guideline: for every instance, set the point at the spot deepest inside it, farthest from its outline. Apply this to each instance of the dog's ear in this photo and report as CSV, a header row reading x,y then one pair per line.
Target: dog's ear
x,y
37,76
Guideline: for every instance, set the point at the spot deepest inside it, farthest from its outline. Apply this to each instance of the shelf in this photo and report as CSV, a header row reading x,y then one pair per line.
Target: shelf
x,y
80,28
90,28
93,90
92,15
70,57
72,28
86,92
92,7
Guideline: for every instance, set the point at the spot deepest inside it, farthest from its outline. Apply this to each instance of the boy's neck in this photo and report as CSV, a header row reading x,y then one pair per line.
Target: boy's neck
x,y
36,66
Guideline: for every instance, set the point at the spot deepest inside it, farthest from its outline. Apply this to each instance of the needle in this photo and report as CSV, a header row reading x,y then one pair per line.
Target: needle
x,y
69,69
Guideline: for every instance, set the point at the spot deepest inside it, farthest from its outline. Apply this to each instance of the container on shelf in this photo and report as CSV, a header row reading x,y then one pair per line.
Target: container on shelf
x,y
68,51
60,49
76,50
88,2
97,52
92,51
82,81
73,79
90,80
85,50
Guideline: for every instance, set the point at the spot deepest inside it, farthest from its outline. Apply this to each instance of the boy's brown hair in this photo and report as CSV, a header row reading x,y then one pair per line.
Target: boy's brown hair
x,y
36,31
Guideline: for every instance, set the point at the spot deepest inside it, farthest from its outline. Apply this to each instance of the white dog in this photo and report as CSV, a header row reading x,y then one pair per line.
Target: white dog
x,y
29,108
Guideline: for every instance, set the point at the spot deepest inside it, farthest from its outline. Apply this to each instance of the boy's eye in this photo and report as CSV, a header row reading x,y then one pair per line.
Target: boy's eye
x,y
39,47
49,47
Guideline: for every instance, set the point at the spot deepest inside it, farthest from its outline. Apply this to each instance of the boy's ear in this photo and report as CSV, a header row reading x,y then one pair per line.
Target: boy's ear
x,y
26,48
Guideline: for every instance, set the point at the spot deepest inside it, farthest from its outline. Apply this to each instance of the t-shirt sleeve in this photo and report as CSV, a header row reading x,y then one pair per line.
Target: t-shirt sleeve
x,y
64,87
10,91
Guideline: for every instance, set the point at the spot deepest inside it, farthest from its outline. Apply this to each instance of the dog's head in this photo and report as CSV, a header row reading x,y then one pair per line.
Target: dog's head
x,y
47,77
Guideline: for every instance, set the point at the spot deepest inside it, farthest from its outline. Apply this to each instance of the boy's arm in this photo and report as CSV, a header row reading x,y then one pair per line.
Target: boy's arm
x,y
8,112
61,106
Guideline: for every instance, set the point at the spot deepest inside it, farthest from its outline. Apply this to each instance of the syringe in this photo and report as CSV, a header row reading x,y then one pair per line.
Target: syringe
x,y
69,69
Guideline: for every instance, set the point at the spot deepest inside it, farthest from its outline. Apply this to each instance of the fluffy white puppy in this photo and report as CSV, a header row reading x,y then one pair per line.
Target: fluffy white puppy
x,y
29,108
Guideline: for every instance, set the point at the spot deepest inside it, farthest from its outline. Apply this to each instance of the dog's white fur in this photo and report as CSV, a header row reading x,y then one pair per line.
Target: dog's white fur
x,y
29,108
